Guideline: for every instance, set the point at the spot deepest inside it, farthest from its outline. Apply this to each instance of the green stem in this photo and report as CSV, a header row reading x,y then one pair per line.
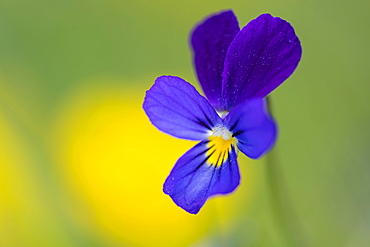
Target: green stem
x,y
281,206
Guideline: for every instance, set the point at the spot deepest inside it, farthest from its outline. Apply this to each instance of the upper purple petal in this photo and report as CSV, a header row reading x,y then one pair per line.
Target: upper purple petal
x,y
210,41
176,108
263,54
193,180
253,127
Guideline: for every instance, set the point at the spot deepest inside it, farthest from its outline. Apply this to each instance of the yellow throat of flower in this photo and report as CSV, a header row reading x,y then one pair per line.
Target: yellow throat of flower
x,y
220,143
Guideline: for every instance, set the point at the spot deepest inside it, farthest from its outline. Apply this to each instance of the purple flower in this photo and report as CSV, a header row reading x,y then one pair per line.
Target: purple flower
x,y
236,69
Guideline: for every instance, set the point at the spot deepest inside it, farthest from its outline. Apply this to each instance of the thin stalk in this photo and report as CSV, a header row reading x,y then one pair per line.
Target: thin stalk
x,y
282,209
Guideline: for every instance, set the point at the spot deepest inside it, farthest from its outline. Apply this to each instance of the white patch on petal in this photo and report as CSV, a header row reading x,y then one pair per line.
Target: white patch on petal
x,y
221,131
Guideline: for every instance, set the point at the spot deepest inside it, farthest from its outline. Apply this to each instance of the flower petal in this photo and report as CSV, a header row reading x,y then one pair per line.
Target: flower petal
x,y
263,55
228,176
193,179
210,41
176,108
253,127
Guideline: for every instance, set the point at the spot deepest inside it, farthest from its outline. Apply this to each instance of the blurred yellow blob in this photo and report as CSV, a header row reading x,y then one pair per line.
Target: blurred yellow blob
x,y
115,161
13,180
25,218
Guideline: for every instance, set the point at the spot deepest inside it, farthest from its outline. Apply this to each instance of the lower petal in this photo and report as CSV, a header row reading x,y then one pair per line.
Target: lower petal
x,y
194,179
228,176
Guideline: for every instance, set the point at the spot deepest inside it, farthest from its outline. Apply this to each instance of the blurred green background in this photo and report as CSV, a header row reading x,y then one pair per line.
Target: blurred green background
x,y
80,164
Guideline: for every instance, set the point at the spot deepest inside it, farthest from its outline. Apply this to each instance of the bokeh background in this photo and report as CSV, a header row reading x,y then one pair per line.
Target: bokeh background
x,y
80,164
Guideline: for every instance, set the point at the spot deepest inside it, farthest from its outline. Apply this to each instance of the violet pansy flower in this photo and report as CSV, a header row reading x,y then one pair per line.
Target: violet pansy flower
x,y
236,69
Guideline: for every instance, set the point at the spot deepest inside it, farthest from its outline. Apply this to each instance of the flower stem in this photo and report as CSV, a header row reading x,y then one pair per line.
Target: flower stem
x,y
281,206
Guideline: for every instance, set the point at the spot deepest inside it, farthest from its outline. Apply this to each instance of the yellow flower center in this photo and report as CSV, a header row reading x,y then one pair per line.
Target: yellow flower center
x,y
220,143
